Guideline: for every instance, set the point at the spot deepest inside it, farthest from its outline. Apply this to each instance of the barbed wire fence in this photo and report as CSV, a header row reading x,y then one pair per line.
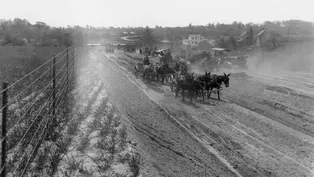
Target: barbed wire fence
x,y
30,108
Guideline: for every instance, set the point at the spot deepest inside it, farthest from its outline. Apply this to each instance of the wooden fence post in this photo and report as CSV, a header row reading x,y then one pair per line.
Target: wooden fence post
x,y
54,86
4,126
73,58
67,63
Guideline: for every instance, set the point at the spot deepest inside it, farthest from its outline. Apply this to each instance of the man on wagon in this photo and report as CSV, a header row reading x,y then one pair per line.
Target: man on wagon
x,y
183,69
146,60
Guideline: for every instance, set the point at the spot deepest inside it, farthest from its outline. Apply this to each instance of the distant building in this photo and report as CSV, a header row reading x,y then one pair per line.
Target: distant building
x,y
243,35
241,40
260,38
194,40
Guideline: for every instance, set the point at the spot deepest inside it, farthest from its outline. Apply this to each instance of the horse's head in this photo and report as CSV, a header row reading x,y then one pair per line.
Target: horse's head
x,y
225,79
207,76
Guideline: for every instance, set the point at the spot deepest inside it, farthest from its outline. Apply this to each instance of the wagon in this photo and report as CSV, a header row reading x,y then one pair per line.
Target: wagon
x,y
145,71
138,69
149,72
230,61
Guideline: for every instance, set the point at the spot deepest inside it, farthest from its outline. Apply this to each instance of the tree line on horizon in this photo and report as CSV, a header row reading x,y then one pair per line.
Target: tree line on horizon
x,y
22,32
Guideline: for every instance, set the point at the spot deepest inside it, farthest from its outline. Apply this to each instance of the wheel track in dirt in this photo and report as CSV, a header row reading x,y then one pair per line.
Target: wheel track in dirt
x,y
236,154
222,143
215,140
276,107
181,127
299,86
261,142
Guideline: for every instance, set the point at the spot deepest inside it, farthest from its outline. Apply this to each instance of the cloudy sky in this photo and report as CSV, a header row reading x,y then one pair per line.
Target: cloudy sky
x,y
155,12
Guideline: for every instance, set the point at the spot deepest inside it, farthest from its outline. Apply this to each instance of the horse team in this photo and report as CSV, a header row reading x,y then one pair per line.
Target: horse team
x,y
200,84
180,80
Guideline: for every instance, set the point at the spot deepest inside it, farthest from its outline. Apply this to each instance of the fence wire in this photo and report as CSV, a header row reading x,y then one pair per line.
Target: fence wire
x,y
34,106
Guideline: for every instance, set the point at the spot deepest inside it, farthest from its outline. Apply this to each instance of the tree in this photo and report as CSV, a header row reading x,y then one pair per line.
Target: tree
x,y
8,38
67,39
223,43
148,38
273,38
233,42
250,35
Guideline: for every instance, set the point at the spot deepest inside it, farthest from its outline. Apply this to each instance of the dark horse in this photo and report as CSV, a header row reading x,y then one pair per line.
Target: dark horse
x,y
164,71
185,84
216,82
200,83
149,72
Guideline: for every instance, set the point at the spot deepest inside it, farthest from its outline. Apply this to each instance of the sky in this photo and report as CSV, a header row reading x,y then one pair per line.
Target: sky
x,y
134,13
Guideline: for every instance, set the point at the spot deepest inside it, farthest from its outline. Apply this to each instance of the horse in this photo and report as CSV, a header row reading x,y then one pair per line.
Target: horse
x,y
149,71
164,71
216,82
177,66
200,83
185,84
138,69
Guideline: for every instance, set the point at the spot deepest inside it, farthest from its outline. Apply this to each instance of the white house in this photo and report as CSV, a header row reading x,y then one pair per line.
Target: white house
x,y
194,40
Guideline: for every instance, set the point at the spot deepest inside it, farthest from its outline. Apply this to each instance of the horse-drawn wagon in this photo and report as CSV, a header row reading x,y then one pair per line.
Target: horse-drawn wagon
x,y
145,71
205,60
230,61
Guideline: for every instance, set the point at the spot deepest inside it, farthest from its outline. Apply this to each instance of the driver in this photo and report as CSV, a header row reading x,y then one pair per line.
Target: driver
x,y
146,60
183,69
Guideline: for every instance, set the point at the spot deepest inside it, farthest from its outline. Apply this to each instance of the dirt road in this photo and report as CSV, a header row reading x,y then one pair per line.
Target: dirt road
x,y
257,129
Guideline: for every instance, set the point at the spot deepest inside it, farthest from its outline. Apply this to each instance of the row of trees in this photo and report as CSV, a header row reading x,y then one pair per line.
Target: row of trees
x,y
227,35
22,32
290,27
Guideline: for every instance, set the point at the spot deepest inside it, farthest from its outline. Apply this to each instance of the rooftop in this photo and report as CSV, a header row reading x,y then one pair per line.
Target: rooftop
x,y
261,32
244,33
194,34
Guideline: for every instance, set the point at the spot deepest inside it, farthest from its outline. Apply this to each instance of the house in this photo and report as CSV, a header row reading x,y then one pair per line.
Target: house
x,y
194,40
241,40
260,38
243,35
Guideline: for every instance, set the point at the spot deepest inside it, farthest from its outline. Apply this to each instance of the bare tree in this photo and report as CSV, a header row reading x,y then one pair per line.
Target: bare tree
x,y
233,42
273,38
250,35
148,37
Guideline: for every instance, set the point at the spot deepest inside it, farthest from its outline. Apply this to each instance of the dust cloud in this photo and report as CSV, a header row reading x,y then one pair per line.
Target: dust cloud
x,y
297,57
